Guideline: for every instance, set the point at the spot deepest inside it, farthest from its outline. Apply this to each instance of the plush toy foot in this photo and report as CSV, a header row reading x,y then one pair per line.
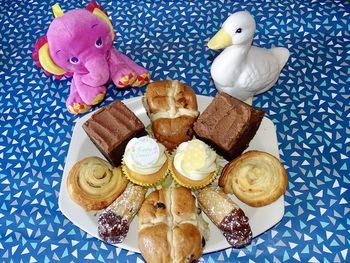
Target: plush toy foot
x,y
141,80
78,108
127,80
99,98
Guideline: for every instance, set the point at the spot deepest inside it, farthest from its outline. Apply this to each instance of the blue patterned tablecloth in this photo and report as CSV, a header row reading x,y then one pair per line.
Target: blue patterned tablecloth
x,y
309,106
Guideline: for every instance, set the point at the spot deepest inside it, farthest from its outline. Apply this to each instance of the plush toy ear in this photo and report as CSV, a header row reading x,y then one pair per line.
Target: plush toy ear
x,y
102,15
41,53
47,62
56,10
97,10
42,58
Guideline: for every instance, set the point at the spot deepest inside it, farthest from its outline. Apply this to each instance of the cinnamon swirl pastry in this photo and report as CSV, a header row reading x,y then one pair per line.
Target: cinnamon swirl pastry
x,y
256,178
94,184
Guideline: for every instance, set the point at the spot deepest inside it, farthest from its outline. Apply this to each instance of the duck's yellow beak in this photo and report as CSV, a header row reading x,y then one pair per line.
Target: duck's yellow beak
x,y
221,40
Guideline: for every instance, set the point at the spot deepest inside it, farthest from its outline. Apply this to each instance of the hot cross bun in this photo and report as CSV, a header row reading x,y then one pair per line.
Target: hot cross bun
x,y
172,108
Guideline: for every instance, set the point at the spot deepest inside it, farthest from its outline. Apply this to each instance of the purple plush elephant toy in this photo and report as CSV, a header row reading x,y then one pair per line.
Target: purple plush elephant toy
x,y
79,43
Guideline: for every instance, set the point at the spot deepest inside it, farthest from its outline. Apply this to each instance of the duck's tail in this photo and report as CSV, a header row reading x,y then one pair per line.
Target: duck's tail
x,y
282,54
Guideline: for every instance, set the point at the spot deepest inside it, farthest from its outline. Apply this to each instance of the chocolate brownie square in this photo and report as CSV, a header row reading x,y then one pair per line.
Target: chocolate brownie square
x,y
111,128
228,125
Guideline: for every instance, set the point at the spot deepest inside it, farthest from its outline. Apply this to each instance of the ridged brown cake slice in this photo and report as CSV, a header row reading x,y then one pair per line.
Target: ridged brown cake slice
x,y
228,125
111,128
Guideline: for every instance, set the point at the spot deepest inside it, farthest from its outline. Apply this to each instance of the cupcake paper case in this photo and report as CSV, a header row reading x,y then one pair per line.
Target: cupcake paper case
x,y
145,162
194,164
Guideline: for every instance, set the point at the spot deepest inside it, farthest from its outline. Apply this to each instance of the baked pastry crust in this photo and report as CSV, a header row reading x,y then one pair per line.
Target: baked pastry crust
x,y
172,108
114,221
256,178
169,227
94,184
154,240
215,203
226,215
187,243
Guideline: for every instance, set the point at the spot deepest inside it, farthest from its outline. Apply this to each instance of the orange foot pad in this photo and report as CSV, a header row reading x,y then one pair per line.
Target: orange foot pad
x,y
78,108
98,98
141,80
127,80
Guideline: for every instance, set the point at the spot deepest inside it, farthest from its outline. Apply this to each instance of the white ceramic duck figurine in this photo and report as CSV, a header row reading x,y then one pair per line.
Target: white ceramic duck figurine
x,y
243,70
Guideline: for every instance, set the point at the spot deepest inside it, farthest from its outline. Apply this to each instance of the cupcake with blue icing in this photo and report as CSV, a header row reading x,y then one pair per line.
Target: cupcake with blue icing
x,y
145,161
194,164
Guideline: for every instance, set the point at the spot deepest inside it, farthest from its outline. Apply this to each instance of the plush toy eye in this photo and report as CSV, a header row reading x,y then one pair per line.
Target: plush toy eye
x,y
239,30
74,60
99,43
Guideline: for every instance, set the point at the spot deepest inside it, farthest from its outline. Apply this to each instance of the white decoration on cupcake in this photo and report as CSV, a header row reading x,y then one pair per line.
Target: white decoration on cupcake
x,y
144,151
144,155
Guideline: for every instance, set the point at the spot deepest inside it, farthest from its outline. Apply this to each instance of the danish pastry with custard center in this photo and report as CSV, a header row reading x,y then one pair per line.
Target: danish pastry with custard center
x,y
256,178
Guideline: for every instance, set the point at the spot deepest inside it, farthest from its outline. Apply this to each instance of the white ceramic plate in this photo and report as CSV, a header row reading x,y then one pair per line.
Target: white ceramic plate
x,y
260,219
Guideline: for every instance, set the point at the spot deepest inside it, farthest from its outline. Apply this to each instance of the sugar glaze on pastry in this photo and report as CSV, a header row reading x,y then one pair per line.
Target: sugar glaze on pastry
x,y
256,178
174,108
226,215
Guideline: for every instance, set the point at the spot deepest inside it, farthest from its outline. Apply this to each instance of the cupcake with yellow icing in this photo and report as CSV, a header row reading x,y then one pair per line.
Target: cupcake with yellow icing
x,y
145,161
194,164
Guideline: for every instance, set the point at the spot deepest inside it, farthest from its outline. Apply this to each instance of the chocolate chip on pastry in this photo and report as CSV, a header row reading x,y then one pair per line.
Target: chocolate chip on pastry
x,y
226,215
256,178
94,184
170,230
113,223
172,108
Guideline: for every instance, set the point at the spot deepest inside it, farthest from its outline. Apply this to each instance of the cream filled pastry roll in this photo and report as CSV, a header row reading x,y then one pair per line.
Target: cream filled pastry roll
x,y
145,161
114,221
226,215
94,184
194,164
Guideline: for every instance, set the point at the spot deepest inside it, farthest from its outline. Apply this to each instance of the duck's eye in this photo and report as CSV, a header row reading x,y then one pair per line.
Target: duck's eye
x,y
239,30
74,60
99,43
